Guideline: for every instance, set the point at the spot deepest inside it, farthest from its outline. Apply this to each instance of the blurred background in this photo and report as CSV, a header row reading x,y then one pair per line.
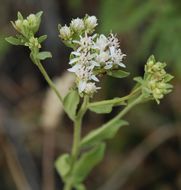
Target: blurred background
x,y
146,155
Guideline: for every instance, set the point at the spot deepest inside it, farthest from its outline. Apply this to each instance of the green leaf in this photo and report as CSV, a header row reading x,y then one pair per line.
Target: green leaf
x,y
44,55
168,77
105,106
118,74
19,15
71,102
62,165
14,41
151,58
80,187
102,108
42,38
138,79
107,131
86,163
39,14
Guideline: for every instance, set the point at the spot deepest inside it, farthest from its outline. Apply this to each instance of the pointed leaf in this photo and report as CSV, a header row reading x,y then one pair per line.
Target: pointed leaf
x,y
118,74
14,41
86,163
71,102
39,14
44,55
138,79
62,165
42,38
102,108
19,15
107,131
105,106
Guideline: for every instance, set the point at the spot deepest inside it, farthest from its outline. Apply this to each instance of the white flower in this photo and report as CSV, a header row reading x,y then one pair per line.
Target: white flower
x,y
101,43
81,86
92,54
77,25
85,42
65,33
116,56
113,41
103,56
91,88
91,22
32,20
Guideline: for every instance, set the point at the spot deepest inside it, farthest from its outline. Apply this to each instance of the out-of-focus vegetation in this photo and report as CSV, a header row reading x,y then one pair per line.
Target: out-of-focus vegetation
x,y
152,26
145,155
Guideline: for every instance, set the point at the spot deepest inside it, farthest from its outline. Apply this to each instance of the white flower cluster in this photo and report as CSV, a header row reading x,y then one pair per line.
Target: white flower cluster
x,y
93,54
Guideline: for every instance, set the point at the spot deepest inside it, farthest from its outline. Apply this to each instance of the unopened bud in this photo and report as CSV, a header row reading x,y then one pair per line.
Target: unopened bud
x,y
91,22
77,25
65,33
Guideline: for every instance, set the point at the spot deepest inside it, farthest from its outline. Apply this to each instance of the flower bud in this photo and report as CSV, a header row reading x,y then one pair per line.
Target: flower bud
x,y
25,23
91,22
65,33
33,43
77,25
18,24
90,88
32,20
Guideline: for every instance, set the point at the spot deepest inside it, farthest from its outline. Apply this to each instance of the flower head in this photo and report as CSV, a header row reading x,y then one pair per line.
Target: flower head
x,y
90,23
29,26
65,33
155,83
92,54
77,25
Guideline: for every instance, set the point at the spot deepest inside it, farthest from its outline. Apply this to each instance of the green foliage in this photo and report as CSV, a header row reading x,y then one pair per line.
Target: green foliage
x,y
87,162
155,26
70,103
14,41
42,38
118,74
107,131
44,55
106,106
62,165
102,108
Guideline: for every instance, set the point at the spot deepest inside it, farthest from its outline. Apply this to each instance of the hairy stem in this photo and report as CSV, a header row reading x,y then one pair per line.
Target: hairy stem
x,y
115,101
77,139
49,81
125,110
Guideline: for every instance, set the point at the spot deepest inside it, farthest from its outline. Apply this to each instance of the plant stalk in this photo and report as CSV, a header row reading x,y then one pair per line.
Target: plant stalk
x,y
125,110
49,81
77,139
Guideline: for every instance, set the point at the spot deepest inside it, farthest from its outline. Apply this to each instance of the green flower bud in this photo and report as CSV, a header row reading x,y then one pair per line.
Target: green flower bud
x,y
65,33
77,25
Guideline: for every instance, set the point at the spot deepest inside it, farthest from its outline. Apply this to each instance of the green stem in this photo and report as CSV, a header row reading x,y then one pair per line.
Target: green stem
x,y
77,139
125,110
115,101
49,81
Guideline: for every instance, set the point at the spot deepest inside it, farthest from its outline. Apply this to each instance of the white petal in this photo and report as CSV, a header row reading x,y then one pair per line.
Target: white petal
x,y
122,65
76,53
73,60
108,66
81,86
93,77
